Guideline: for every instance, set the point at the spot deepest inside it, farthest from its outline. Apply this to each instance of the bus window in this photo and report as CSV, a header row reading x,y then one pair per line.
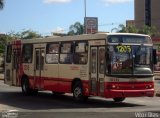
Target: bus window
x,y
81,53
66,55
9,53
93,62
52,53
27,53
101,60
141,55
121,59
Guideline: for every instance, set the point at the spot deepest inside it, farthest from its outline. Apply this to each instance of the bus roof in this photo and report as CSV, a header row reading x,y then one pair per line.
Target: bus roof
x,y
66,38
76,37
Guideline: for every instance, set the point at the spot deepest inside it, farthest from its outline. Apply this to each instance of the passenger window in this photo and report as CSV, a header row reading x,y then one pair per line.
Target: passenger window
x,y
66,56
9,53
27,53
81,53
52,53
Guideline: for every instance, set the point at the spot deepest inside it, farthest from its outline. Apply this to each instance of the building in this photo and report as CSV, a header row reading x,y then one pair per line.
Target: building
x,y
130,23
147,13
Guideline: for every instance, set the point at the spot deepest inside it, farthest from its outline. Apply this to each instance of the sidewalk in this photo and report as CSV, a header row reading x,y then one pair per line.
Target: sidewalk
x,y
1,76
157,87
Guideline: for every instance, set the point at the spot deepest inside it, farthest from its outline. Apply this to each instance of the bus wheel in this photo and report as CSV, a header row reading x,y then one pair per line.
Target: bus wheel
x,y
118,99
78,92
25,86
26,89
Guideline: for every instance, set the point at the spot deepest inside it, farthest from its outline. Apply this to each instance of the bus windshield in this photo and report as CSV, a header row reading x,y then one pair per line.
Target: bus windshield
x,y
129,60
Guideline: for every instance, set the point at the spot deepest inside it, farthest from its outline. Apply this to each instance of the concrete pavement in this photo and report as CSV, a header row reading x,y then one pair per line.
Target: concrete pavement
x,y
1,76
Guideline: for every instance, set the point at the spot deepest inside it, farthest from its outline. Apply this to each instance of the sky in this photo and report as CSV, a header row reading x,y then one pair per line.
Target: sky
x,y
46,16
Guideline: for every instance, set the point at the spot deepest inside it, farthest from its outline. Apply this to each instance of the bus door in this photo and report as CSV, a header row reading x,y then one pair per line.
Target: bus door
x,y
8,65
15,64
97,70
11,65
39,68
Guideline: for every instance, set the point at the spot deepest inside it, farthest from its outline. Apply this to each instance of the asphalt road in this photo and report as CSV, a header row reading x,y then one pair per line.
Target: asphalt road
x,y
45,105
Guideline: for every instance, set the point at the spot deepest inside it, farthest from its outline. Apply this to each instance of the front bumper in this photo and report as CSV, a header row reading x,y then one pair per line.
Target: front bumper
x,y
129,93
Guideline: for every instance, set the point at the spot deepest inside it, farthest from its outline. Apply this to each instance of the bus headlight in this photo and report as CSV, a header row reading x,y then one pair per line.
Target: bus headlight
x,y
150,86
113,86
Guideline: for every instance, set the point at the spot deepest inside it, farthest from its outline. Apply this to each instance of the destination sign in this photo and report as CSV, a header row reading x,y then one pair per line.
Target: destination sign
x,y
124,48
128,39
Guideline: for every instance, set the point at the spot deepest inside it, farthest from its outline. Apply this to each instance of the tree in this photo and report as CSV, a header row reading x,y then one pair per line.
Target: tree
x,y
14,35
59,34
76,29
152,31
132,29
122,28
29,34
3,41
126,29
1,4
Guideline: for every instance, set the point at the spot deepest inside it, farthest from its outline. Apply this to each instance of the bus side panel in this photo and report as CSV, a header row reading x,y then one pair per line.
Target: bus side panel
x,y
51,78
66,74
29,71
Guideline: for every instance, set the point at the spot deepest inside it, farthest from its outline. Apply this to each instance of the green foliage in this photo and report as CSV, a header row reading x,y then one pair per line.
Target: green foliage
x,y
14,35
59,34
76,29
132,29
128,29
29,34
3,41
152,31
1,4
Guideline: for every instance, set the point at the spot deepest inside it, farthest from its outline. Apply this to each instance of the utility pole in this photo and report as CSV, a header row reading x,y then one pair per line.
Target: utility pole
x,y
85,8
85,15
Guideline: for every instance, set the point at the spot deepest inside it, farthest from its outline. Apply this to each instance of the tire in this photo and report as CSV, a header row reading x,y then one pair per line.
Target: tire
x,y
118,99
26,87
78,92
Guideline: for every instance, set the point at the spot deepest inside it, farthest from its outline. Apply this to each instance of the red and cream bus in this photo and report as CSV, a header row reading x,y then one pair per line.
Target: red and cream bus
x,y
110,65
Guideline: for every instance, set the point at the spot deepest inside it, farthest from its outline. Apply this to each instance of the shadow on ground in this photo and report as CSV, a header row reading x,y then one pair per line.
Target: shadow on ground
x,y
45,100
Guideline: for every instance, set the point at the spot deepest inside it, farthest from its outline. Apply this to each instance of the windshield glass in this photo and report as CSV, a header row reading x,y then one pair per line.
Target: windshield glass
x,y
127,59
142,55
142,59
120,59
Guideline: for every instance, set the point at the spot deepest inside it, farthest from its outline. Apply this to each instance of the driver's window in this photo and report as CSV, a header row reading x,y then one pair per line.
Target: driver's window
x,y
108,60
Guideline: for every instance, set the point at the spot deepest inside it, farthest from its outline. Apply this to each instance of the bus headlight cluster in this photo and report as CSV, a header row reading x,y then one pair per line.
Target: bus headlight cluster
x,y
149,86
115,86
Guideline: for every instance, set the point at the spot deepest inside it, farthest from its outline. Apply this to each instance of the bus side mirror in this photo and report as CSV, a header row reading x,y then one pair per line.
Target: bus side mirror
x,y
154,56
